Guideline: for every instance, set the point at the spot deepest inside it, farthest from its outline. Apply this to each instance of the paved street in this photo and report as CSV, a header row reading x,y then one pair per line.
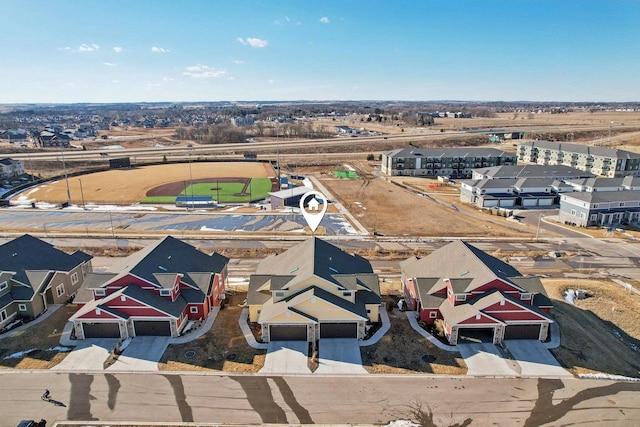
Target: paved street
x,y
362,399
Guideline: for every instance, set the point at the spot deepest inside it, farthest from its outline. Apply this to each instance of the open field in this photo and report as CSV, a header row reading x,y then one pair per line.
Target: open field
x,y
600,333
389,209
132,185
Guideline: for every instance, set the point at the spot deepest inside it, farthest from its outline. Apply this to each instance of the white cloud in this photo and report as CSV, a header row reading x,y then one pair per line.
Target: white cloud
x,y
159,49
109,64
118,49
238,61
271,81
324,20
115,81
87,48
167,79
253,42
203,72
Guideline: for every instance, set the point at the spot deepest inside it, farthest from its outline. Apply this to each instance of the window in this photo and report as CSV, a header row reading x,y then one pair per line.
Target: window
x,y
74,278
165,292
98,312
346,294
461,297
501,302
123,298
621,204
280,294
60,290
3,315
193,309
433,315
478,316
3,286
573,212
99,292
22,307
583,215
525,296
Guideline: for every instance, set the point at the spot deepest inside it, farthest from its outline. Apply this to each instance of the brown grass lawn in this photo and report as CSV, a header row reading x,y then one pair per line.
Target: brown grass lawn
x,y
223,348
40,338
598,333
403,351
131,185
390,209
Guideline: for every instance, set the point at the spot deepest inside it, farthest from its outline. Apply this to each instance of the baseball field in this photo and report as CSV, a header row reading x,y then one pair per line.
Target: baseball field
x,y
225,182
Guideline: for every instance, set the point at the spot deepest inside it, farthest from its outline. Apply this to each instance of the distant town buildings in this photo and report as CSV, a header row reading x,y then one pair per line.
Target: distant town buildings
x,y
10,168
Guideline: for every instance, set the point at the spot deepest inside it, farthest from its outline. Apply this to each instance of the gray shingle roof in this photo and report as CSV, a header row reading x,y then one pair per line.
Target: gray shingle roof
x,y
30,253
605,196
583,149
532,171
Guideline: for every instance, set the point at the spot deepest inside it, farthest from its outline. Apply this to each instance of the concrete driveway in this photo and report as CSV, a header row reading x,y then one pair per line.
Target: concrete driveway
x,y
484,359
286,357
339,356
534,359
142,354
88,355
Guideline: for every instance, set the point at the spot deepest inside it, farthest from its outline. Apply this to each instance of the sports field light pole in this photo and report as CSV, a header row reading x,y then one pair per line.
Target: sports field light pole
x,y
82,195
190,175
64,170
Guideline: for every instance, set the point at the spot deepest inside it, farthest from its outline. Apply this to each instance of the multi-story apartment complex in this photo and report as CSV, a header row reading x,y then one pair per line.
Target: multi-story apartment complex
x,y
603,161
449,162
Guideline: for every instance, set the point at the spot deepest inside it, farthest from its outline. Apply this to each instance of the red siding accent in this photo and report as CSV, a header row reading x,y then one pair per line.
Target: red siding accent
x,y
103,315
473,321
496,284
516,315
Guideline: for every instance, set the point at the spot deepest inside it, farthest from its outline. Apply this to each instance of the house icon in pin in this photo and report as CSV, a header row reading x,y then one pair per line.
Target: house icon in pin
x,y
313,204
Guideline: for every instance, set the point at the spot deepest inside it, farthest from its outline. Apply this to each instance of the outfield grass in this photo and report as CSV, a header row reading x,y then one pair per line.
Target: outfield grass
x,y
222,192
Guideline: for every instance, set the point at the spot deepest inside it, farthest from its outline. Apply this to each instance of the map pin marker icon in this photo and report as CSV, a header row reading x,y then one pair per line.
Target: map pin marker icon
x,y
313,206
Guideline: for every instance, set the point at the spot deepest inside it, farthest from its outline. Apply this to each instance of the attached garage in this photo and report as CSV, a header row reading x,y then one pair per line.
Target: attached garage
x,y
339,330
101,330
476,334
522,332
152,327
288,333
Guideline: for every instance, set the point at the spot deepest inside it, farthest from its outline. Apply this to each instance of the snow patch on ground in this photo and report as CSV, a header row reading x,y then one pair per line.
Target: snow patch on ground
x,y
60,349
19,354
402,423
608,377
570,296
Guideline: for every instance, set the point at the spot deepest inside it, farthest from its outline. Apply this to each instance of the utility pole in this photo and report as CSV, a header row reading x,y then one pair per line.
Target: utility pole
x,y
82,195
64,170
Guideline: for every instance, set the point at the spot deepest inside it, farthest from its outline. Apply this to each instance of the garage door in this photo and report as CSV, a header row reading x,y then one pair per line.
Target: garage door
x,y
152,327
101,330
338,330
522,332
476,334
288,332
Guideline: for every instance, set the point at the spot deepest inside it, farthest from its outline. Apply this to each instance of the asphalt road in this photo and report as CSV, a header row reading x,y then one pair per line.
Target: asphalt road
x,y
260,399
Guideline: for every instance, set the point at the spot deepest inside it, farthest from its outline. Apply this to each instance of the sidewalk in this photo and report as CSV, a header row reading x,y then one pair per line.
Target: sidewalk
x,y
411,315
50,310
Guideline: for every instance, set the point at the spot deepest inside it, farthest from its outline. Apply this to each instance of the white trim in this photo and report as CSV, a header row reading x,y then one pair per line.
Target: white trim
x,y
22,307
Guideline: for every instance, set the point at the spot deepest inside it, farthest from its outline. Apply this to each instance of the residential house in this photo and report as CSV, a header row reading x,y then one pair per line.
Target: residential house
x,y
600,208
450,162
155,291
603,161
313,290
10,168
475,295
34,275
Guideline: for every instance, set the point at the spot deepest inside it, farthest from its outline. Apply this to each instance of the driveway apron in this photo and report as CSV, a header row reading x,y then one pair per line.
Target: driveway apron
x,y
339,356
286,357
484,359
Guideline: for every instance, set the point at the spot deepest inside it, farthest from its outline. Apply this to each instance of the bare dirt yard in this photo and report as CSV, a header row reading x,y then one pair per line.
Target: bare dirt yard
x,y
222,348
37,347
389,209
131,185
599,334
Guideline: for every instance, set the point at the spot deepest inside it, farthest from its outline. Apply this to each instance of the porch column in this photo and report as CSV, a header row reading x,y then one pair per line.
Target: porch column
x,y
544,332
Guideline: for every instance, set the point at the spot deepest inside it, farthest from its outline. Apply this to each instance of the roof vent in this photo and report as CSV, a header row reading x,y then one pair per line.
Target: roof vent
x,y
333,269
464,273
293,270
14,254
169,257
162,268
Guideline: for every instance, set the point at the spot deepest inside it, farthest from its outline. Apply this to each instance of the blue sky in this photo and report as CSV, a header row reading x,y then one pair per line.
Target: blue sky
x,y
208,50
